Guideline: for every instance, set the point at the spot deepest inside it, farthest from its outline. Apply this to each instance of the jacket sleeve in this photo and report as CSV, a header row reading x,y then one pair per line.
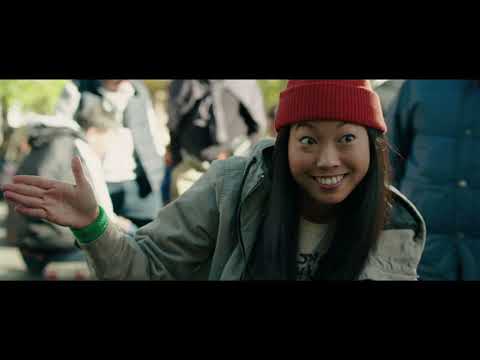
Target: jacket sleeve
x,y
396,258
400,245
177,245
400,131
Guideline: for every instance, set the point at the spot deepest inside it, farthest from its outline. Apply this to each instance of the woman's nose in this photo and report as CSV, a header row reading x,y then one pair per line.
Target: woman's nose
x,y
328,158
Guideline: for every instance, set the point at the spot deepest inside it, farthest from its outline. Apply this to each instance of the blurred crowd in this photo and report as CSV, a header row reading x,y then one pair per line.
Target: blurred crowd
x,y
140,156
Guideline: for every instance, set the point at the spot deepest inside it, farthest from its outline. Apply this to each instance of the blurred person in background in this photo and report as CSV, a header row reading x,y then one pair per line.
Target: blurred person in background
x,y
271,115
53,141
133,148
211,120
387,91
435,130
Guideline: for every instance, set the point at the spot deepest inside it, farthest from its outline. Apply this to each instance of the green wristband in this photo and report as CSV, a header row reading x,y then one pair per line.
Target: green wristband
x,y
93,231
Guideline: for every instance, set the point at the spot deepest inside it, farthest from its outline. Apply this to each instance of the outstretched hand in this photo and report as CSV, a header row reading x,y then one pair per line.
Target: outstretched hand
x,y
58,202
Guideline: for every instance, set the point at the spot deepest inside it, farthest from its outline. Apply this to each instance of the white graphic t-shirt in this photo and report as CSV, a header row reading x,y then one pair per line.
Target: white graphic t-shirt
x,y
312,245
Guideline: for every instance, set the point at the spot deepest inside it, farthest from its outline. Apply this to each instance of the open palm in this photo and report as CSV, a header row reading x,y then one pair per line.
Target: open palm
x,y
58,202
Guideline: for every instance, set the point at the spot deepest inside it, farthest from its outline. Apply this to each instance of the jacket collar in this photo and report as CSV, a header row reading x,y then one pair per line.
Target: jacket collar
x,y
257,166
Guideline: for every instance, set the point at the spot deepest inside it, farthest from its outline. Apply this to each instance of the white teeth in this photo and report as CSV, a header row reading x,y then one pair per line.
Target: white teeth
x,y
330,180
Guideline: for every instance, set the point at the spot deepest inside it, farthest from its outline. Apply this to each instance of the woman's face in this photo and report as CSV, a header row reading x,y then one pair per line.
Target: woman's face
x,y
328,159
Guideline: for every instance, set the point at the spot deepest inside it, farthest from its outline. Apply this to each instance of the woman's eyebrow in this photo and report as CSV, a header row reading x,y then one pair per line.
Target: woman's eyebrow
x,y
343,123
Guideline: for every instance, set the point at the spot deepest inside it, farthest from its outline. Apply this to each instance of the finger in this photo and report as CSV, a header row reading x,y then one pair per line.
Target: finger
x,y
37,181
11,203
24,189
37,213
27,201
78,172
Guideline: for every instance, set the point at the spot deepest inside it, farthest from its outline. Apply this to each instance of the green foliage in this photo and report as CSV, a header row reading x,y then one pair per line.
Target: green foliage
x,y
271,91
41,95
157,85
32,95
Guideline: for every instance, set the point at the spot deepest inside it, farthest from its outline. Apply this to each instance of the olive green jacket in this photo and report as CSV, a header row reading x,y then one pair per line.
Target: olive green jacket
x,y
196,237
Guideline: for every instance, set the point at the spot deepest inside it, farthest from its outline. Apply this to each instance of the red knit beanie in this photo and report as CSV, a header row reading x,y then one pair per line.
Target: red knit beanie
x,y
342,100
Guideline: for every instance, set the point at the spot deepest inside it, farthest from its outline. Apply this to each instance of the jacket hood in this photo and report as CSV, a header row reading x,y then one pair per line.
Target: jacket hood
x,y
41,135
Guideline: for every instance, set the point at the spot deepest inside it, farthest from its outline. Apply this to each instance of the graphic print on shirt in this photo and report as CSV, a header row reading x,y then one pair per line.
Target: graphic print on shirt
x,y
312,245
306,265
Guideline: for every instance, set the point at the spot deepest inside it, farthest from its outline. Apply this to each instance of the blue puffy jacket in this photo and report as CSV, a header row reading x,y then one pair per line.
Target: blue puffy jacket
x,y
435,127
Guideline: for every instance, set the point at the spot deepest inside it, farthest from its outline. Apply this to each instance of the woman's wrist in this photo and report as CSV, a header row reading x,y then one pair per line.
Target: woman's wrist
x,y
87,219
93,231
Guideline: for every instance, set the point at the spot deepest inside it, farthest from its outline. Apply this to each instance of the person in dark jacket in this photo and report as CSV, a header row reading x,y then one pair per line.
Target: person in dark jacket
x,y
53,141
41,242
52,148
435,131
211,120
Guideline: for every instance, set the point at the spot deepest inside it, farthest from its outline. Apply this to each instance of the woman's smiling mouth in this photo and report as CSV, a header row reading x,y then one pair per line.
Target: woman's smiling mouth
x,y
329,182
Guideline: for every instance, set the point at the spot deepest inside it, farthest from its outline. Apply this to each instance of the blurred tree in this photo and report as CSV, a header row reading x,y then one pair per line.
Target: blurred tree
x,y
38,96
157,85
271,91
32,95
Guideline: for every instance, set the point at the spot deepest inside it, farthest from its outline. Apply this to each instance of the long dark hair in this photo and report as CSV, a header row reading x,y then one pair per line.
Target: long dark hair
x,y
361,218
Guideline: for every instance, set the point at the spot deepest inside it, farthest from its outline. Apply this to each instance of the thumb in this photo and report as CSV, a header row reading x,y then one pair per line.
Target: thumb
x,y
78,173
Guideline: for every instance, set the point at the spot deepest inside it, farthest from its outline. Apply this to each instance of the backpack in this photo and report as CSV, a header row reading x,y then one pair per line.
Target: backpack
x,y
51,152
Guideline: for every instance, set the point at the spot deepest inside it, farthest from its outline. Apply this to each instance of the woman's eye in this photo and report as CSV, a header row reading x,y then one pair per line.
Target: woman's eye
x,y
347,138
307,140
